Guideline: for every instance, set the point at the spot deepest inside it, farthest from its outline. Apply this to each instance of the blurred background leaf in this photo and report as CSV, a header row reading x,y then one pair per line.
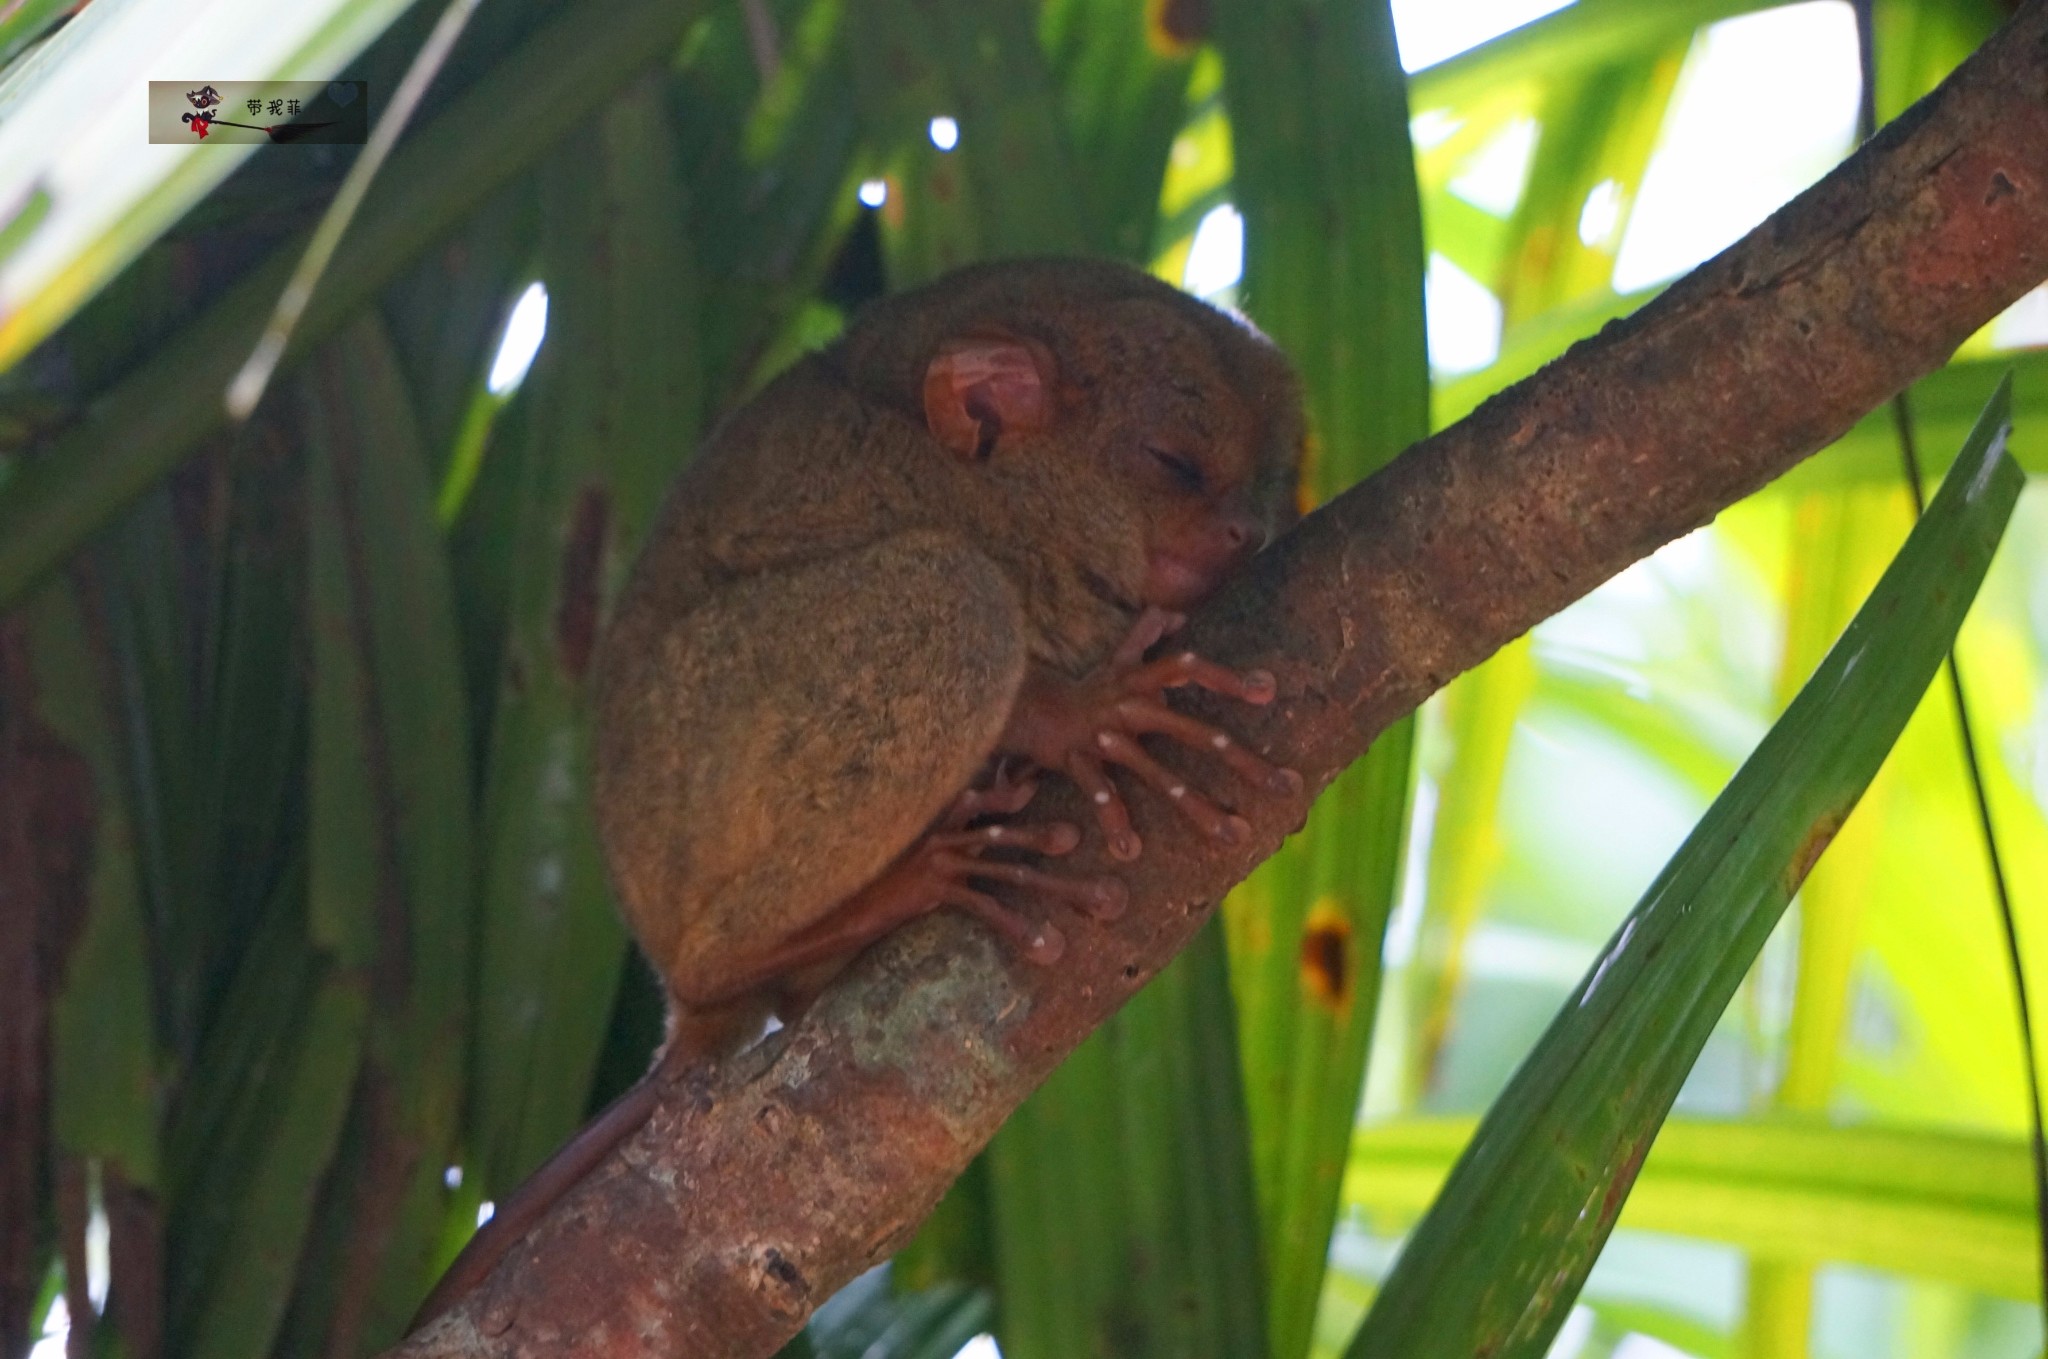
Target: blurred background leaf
x,y
1498,1261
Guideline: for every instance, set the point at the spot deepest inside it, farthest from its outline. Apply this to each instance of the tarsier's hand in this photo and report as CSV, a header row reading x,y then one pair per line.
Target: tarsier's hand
x,y
1079,726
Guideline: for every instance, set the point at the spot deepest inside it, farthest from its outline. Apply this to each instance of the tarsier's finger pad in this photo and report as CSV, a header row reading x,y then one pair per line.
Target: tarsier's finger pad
x,y
1040,941
1044,944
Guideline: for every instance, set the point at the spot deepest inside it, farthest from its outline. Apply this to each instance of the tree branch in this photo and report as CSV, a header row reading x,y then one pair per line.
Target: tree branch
x,y
756,1191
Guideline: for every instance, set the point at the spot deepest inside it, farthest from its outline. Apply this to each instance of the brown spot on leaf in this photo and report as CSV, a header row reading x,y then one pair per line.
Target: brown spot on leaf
x,y
2001,187
1175,28
1326,957
1305,497
1625,1178
1818,838
576,605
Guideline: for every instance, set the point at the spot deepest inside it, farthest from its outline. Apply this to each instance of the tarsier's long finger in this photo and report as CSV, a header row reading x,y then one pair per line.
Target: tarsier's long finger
x,y
1054,838
1103,898
1038,940
1152,626
1172,672
1110,813
1210,819
1148,715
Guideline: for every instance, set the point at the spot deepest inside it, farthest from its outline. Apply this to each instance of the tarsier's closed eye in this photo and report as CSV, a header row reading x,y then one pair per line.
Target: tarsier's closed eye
x,y
1185,471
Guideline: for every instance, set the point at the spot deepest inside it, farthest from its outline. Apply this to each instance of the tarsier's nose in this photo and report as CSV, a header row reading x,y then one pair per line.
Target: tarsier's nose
x,y
1244,533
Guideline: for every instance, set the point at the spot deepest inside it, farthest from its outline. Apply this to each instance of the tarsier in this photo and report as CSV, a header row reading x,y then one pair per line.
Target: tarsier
x,y
919,572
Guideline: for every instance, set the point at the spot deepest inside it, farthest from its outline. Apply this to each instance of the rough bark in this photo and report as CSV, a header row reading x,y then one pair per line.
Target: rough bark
x,y
753,1193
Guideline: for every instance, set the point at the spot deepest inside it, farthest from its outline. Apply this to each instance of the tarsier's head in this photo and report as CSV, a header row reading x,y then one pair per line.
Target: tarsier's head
x,y
1148,422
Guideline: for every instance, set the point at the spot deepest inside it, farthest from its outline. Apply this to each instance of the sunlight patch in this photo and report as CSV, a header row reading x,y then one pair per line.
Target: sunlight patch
x,y
1494,175
1573,1335
1430,31
1766,105
56,1332
524,331
1432,128
1601,214
1216,259
1464,319
2023,325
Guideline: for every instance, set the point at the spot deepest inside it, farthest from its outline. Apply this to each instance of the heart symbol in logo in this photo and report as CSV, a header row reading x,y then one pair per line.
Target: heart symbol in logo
x,y
342,92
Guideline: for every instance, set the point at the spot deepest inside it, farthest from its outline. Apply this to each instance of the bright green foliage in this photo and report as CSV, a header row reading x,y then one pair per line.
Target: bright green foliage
x,y
1796,1192
1497,1262
1894,1004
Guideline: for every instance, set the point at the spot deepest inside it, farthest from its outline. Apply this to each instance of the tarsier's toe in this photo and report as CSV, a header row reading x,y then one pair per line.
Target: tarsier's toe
x,y
1044,944
1104,898
1040,941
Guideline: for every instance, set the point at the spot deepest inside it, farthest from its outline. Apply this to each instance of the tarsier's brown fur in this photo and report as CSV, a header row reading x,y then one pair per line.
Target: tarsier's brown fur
x,y
905,557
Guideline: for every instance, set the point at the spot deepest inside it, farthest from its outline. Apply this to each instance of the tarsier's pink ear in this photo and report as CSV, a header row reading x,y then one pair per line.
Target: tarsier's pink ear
x,y
981,386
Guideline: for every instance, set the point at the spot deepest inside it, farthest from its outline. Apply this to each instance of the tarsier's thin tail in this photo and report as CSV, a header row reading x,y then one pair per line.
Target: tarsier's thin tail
x,y
557,1175
695,1038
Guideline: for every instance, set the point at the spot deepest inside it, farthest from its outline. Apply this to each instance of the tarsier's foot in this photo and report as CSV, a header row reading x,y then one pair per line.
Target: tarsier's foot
x,y
937,872
948,861
1079,726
